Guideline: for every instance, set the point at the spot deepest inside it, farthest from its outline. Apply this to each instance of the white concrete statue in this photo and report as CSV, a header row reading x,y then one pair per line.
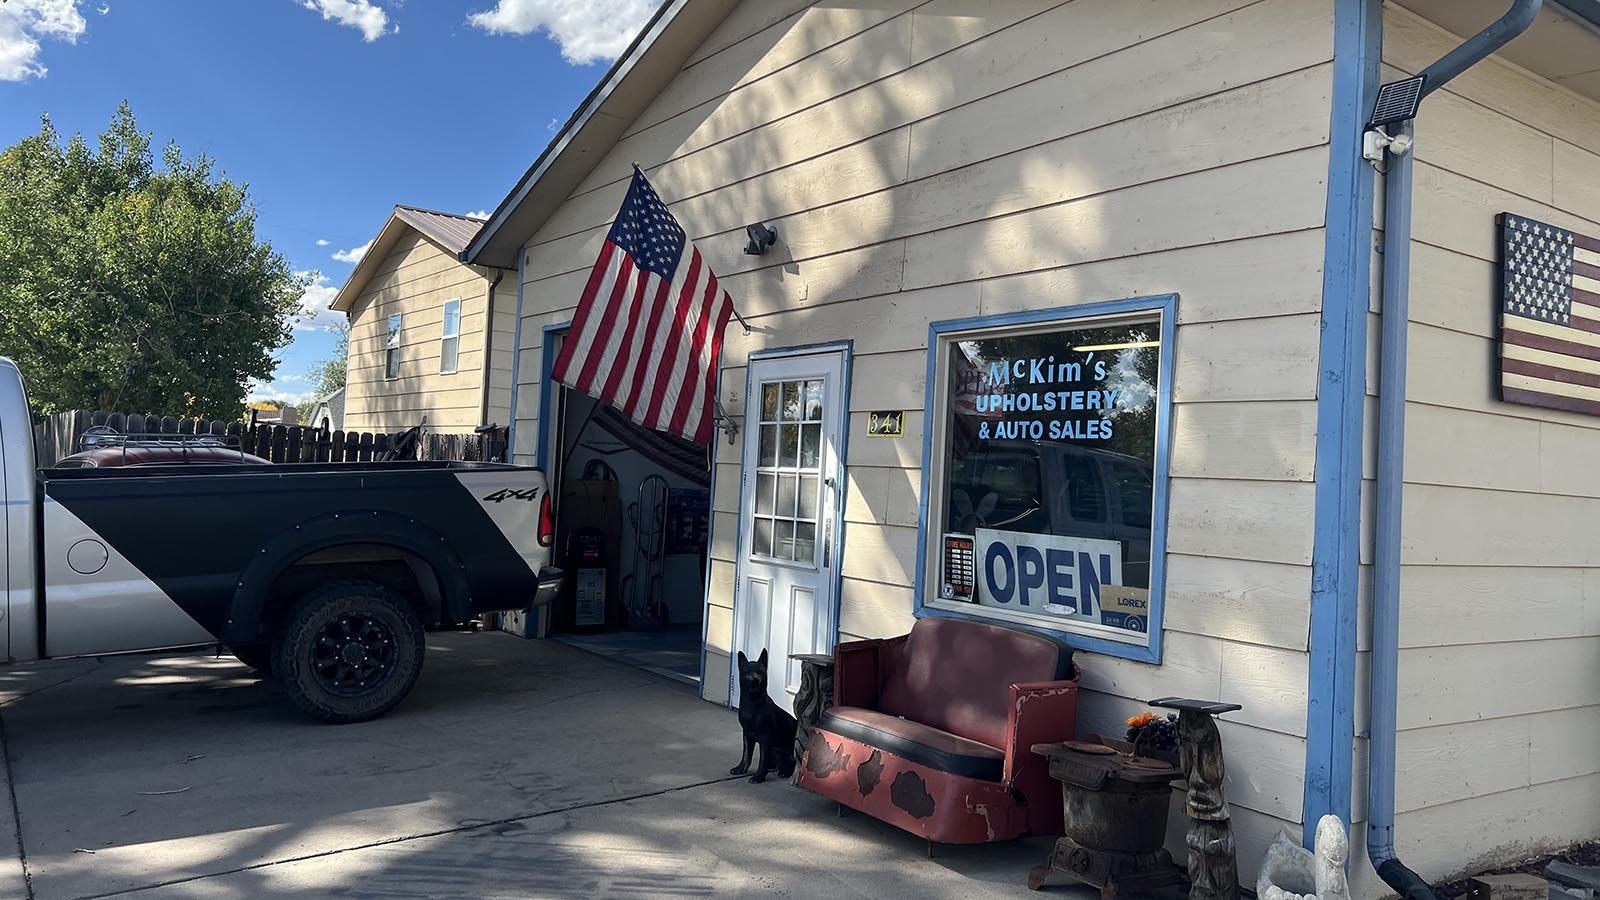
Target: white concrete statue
x,y
1290,872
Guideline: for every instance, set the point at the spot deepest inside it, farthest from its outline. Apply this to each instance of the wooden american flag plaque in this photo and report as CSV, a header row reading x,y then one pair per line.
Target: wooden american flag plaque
x,y
1549,316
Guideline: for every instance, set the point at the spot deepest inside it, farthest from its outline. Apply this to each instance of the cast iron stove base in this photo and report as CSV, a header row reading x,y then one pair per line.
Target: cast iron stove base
x,y
1115,874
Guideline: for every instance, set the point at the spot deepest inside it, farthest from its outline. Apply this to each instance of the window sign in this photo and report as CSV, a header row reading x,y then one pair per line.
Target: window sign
x,y
1042,485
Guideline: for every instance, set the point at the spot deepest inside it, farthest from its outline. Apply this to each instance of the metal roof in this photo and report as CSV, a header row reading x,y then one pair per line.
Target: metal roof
x,y
449,230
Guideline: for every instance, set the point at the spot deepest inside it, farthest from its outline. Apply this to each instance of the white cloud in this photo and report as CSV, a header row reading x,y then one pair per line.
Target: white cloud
x,y
553,125
362,15
478,214
23,23
314,313
588,31
354,254
323,242
269,391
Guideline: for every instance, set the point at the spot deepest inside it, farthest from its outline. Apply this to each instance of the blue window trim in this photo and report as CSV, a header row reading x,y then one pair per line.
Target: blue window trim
x,y
1341,402
1167,306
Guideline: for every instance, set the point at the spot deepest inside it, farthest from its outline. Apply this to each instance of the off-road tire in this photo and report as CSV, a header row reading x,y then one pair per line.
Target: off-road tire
x,y
392,627
256,656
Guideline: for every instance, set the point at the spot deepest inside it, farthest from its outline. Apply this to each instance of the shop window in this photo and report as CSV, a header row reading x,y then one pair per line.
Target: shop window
x,y
1045,471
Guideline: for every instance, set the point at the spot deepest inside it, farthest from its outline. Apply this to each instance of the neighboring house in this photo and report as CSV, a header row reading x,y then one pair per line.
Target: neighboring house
x,y
328,413
1021,171
288,415
430,337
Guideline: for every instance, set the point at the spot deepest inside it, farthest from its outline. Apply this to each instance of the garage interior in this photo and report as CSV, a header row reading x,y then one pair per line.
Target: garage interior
x,y
632,532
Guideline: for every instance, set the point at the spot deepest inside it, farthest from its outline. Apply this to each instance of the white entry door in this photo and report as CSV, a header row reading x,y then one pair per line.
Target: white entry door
x,y
792,472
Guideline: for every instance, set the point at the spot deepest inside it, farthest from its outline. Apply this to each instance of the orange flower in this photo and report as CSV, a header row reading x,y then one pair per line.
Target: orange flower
x,y
1142,719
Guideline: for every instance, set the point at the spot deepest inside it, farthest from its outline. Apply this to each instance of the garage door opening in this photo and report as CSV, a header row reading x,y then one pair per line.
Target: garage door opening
x,y
633,512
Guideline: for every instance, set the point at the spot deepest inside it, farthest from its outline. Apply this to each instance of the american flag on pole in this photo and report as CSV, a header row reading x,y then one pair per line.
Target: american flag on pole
x,y
647,335
1549,316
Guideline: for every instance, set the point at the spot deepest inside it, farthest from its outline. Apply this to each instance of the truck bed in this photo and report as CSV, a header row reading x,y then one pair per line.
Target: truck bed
x,y
212,537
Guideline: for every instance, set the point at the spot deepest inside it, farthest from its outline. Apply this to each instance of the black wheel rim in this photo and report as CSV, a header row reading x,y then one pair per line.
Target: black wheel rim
x,y
353,654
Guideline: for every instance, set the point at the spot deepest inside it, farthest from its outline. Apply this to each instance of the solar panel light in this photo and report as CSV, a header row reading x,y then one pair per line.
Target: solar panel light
x,y
1397,101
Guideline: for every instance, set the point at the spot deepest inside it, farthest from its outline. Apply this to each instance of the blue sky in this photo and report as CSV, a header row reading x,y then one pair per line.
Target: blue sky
x,y
331,110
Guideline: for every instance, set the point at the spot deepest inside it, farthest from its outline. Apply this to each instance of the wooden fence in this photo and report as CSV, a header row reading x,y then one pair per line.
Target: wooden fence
x,y
58,437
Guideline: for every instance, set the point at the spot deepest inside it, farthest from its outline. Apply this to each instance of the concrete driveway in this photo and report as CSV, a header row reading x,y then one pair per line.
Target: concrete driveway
x,y
517,769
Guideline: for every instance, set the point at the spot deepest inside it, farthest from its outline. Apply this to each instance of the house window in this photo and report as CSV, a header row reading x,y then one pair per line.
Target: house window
x,y
391,353
1046,469
450,343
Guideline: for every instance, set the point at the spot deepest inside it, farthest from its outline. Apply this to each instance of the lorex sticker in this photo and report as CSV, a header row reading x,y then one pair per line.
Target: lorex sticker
x,y
1127,608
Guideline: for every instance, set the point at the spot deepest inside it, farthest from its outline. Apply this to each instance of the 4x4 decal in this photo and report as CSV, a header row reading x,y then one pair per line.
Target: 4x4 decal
x,y
510,494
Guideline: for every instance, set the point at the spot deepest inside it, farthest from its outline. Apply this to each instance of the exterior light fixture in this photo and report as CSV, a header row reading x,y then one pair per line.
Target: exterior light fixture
x,y
761,237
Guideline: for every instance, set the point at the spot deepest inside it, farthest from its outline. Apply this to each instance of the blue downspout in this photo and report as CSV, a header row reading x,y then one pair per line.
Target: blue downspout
x,y
1391,460
1341,404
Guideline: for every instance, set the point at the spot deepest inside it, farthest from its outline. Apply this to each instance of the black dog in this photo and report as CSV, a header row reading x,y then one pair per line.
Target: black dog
x,y
763,722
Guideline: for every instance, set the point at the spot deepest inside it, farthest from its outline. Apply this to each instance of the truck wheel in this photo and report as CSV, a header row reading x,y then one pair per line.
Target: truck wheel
x,y
256,656
349,651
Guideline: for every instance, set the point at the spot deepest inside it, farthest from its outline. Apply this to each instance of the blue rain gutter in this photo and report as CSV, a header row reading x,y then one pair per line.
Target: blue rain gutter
x,y
1397,190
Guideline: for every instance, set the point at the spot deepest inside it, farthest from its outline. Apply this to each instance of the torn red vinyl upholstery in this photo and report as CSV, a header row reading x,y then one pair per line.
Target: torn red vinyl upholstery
x,y
931,731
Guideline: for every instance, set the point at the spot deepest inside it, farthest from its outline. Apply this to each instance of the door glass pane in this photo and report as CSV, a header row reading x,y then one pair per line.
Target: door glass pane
x,y
788,488
808,498
810,442
791,400
769,445
805,542
813,401
769,402
783,540
763,542
786,491
764,486
789,445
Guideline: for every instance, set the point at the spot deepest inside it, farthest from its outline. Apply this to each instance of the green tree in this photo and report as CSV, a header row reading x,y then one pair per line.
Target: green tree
x,y
327,375
134,285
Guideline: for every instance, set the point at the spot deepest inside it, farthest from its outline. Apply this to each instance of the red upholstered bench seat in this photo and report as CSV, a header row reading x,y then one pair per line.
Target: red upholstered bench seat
x,y
931,731
919,743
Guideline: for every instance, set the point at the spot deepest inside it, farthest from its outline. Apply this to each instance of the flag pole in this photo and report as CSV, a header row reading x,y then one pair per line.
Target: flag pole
x,y
639,170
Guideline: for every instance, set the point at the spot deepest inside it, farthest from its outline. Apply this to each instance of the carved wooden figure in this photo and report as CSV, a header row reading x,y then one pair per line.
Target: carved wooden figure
x,y
1213,866
814,697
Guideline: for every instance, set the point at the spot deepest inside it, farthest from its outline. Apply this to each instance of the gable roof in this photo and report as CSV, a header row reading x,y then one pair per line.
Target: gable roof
x,y
447,231
654,58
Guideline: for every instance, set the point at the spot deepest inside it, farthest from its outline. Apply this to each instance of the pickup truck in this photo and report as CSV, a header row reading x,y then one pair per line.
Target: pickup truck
x,y
324,575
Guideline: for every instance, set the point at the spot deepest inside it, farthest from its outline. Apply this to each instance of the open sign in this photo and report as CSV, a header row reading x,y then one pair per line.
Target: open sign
x,y
1046,573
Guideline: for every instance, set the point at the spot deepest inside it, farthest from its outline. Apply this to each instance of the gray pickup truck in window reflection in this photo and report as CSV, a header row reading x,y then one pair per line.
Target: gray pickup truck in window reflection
x,y
323,575
1053,488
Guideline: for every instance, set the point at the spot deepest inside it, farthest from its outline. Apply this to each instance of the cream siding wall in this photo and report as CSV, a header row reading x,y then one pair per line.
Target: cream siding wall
x,y
1499,749
415,280
921,162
